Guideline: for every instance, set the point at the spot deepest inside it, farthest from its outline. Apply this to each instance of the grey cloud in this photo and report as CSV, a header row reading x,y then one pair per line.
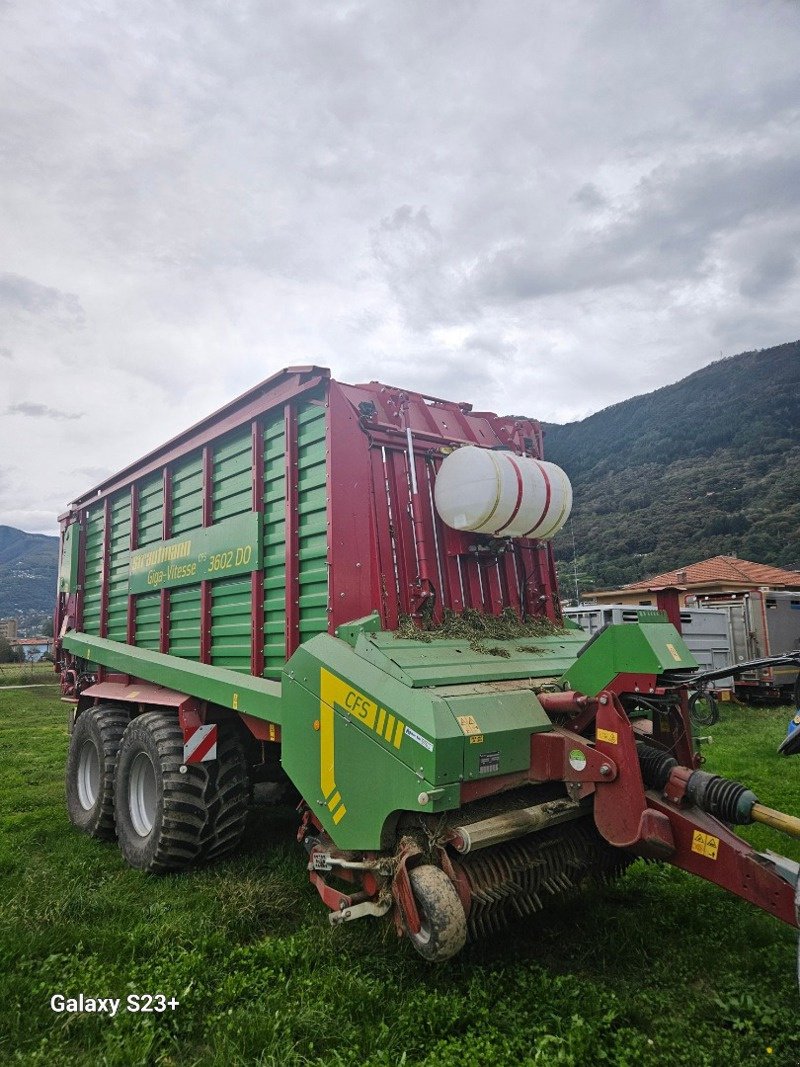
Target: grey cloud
x,y
5,352
666,233
39,411
19,294
772,270
428,288
590,197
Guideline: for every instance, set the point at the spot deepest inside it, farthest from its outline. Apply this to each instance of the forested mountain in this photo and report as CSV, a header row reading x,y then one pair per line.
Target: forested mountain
x,y
708,466
28,572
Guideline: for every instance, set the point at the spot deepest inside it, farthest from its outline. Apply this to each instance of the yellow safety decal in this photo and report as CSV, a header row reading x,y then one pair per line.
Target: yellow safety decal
x,y
609,736
135,693
272,732
705,844
476,739
674,653
468,725
235,702
334,692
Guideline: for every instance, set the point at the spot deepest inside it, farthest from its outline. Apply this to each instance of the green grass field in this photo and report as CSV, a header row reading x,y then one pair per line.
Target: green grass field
x,y
659,968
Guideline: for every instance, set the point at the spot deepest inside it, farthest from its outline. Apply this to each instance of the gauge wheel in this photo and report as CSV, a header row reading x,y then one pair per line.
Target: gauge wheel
x,y
443,923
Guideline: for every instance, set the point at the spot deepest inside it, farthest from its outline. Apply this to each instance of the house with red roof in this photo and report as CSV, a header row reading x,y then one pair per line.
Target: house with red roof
x,y
718,578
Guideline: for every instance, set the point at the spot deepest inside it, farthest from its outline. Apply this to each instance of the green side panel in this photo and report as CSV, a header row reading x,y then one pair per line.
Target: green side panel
x,y
151,516
651,648
346,746
243,693
93,573
502,724
312,507
274,557
230,623
119,558
361,743
68,564
232,477
187,515
184,622
187,495
451,662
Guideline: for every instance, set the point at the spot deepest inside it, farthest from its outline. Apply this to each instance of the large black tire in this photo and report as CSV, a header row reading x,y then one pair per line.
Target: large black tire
x,y
443,930
91,766
227,794
168,820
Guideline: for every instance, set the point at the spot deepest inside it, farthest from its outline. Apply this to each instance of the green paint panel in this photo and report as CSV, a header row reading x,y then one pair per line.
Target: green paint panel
x,y
274,542
232,477
68,566
449,662
119,553
230,623
253,696
93,568
628,648
187,495
500,740
430,751
312,509
149,531
184,622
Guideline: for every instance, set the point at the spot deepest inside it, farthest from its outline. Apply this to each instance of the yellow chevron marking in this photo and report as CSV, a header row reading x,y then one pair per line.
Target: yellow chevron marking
x,y
334,692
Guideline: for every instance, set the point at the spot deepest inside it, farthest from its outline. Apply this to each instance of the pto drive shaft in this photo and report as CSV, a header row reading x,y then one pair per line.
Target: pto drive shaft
x,y
721,797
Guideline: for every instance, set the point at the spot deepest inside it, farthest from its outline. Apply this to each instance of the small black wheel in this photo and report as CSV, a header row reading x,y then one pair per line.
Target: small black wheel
x,y
91,766
161,813
443,929
703,709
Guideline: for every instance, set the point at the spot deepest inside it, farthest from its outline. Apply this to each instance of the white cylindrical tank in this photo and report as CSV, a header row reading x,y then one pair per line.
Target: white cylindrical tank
x,y
502,494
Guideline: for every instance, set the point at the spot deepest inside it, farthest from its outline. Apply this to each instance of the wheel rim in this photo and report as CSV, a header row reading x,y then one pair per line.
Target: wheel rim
x,y
142,794
88,775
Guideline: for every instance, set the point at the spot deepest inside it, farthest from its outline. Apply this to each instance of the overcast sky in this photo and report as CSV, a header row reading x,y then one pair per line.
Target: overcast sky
x,y
542,208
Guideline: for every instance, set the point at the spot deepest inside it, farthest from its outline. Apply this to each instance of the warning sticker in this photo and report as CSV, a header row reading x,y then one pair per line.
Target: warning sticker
x,y
609,736
468,725
705,844
488,762
476,739
674,653
577,759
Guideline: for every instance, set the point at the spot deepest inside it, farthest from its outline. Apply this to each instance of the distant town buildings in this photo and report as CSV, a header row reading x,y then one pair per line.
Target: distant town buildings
x,y
8,629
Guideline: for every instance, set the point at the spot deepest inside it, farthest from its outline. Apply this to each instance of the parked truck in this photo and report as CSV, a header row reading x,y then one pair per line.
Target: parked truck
x,y
763,623
352,588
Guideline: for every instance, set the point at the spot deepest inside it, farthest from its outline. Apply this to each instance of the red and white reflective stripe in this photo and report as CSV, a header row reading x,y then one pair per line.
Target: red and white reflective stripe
x,y
199,743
